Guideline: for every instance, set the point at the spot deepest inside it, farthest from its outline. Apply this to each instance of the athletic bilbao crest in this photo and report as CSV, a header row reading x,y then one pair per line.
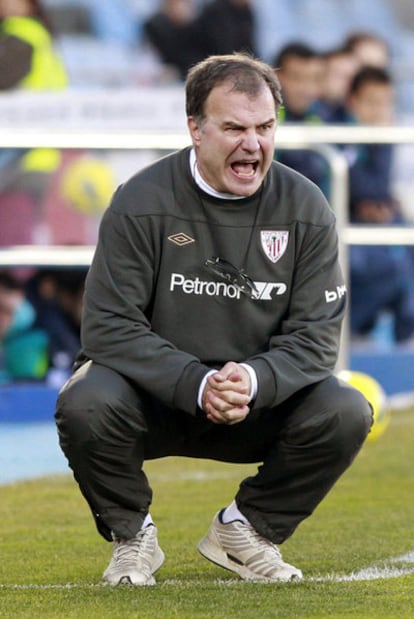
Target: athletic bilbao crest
x,y
274,243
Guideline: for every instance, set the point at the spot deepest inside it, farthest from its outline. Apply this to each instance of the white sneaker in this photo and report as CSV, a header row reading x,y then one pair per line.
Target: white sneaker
x,y
134,561
239,548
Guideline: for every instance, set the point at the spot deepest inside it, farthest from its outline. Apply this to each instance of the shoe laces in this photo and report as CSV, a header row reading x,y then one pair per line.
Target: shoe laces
x,y
139,548
265,544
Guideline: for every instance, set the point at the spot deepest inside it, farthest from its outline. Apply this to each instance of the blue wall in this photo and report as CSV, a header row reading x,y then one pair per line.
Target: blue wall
x,y
393,369
24,403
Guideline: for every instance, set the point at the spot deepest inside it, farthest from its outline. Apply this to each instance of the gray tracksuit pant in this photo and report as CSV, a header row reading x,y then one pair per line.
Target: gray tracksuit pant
x,y
107,429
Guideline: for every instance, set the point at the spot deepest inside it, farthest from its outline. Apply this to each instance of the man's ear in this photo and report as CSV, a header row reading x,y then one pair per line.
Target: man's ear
x,y
194,129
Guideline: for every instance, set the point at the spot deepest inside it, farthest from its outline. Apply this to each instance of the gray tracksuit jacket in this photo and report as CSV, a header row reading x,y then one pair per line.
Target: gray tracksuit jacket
x,y
156,314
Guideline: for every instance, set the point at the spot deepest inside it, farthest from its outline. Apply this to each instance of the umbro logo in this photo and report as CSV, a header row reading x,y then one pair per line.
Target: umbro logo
x,y
181,238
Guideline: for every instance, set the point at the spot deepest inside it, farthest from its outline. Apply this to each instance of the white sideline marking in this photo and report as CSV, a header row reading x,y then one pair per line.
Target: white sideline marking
x,y
391,568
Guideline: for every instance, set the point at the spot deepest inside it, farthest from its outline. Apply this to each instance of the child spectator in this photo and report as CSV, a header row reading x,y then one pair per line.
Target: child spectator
x,y
370,101
381,277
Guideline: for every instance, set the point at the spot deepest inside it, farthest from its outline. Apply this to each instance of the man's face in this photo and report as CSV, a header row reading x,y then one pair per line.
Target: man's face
x,y
338,73
373,104
235,141
301,82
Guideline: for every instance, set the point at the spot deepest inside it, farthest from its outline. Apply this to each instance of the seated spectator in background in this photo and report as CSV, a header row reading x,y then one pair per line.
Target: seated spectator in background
x,y
170,31
226,26
57,296
369,49
381,277
23,346
182,38
339,67
27,55
299,69
370,101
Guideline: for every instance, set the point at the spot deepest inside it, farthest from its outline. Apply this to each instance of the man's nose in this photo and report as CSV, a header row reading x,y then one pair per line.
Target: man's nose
x,y
251,141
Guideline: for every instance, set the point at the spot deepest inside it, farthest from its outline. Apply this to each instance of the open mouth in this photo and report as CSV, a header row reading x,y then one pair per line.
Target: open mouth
x,y
245,169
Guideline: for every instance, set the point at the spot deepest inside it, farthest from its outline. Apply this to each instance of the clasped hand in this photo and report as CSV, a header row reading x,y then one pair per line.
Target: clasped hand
x,y
226,394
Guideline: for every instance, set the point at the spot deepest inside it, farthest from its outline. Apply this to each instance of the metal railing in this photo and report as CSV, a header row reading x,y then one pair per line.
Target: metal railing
x,y
321,138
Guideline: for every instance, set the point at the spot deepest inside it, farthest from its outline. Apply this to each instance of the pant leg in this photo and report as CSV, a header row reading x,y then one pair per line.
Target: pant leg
x,y
102,432
325,427
107,429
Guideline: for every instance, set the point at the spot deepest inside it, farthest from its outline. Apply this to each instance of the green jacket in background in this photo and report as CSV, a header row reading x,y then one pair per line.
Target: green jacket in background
x,y
47,71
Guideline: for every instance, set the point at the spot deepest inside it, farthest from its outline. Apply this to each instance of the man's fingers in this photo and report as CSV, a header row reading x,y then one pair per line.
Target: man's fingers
x,y
232,383
230,417
225,400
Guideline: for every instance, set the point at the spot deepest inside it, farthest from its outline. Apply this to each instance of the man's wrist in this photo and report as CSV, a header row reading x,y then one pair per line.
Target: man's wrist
x,y
253,380
201,388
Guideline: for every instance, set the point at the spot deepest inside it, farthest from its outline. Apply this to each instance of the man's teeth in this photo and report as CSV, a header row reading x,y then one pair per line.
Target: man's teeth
x,y
244,169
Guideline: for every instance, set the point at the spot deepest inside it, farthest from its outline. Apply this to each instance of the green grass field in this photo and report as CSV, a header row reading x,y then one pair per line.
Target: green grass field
x,y
356,551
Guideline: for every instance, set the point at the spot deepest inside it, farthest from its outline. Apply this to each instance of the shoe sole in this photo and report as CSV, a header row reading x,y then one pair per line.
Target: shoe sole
x,y
158,560
209,550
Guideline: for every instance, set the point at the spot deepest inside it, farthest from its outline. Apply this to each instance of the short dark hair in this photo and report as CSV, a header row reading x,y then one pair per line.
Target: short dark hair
x,y
335,52
370,75
362,36
294,50
246,74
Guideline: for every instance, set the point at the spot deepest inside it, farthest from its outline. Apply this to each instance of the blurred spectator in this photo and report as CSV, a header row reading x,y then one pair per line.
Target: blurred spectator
x,y
339,67
381,277
226,26
299,68
23,345
369,49
46,195
171,33
28,61
370,101
57,296
27,55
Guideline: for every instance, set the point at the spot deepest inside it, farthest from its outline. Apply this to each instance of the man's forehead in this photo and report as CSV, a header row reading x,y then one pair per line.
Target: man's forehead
x,y
221,100
228,87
